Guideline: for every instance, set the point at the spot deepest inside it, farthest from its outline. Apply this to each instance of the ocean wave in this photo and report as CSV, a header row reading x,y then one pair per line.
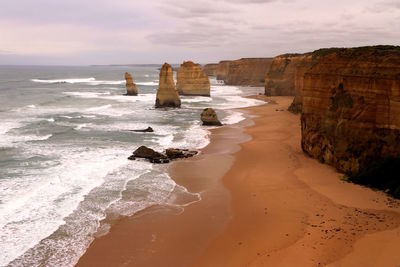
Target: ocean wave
x,y
109,96
153,83
12,140
90,81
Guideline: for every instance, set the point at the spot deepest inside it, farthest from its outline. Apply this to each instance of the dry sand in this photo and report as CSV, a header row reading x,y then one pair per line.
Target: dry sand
x,y
274,206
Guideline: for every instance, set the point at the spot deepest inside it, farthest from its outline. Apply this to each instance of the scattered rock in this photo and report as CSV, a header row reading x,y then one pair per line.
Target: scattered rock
x,y
147,130
130,85
209,117
167,96
148,153
156,157
176,153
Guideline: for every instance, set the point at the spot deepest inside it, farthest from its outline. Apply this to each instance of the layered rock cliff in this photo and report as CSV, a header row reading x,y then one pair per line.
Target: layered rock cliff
x,y
222,70
351,107
167,95
211,69
281,77
130,85
192,80
247,71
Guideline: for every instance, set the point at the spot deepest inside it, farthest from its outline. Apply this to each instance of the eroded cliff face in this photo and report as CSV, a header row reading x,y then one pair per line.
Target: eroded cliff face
x,y
192,80
351,106
167,95
222,70
211,69
280,78
247,71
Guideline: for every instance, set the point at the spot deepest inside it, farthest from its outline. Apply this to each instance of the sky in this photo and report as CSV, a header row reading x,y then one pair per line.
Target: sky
x,y
85,32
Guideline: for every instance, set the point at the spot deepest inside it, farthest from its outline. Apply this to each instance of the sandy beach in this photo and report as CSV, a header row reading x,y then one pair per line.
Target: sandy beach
x,y
263,203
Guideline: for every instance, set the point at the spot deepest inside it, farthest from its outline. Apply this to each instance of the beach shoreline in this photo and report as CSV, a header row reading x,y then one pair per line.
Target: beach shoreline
x,y
263,203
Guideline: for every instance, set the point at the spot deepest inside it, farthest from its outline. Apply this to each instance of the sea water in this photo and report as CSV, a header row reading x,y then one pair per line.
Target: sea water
x,y
65,135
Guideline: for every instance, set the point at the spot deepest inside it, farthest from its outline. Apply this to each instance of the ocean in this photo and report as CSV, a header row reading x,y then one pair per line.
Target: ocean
x,y
65,135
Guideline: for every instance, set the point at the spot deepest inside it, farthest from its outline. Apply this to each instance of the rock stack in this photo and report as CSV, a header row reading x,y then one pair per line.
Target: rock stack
x,y
130,85
192,80
209,117
167,96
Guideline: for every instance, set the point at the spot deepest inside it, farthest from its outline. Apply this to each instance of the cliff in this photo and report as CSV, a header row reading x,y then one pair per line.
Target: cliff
x,y
167,96
247,71
130,85
281,77
222,70
351,108
210,69
192,80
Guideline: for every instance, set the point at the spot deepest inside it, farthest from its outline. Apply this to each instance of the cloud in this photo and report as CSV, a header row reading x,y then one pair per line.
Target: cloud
x,y
126,31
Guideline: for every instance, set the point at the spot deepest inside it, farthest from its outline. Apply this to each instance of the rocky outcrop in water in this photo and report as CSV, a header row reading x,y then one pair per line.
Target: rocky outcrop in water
x,y
156,157
211,69
130,85
167,95
247,71
147,130
209,117
351,107
192,80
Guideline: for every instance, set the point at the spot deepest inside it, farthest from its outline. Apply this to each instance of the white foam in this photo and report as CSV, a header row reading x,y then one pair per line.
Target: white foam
x,y
87,94
81,126
89,81
40,200
153,83
234,117
109,96
195,99
10,140
6,126
99,108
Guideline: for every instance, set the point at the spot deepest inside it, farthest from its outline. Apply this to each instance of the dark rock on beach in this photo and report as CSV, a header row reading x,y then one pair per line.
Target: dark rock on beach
x,y
156,157
148,153
176,153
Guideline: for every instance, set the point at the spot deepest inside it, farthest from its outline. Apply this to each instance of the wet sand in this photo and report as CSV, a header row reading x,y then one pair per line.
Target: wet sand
x,y
264,203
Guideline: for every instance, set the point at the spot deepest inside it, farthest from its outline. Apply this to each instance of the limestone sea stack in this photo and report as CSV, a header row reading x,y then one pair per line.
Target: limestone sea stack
x,y
192,80
130,85
351,107
167,96
209,117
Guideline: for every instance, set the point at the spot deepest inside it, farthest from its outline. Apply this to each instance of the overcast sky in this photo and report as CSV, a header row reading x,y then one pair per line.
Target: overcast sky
x,y
76,32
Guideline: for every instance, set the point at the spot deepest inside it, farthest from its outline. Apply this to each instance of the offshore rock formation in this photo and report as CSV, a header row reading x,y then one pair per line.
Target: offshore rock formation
x,y
209,117
222,70
192,80
167,96
282,76
351,107
247,71
210,69
130,85
155,157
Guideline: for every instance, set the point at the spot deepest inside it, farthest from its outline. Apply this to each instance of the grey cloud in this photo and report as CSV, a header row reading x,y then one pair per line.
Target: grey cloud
x,y
197,9
102,13
384,6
